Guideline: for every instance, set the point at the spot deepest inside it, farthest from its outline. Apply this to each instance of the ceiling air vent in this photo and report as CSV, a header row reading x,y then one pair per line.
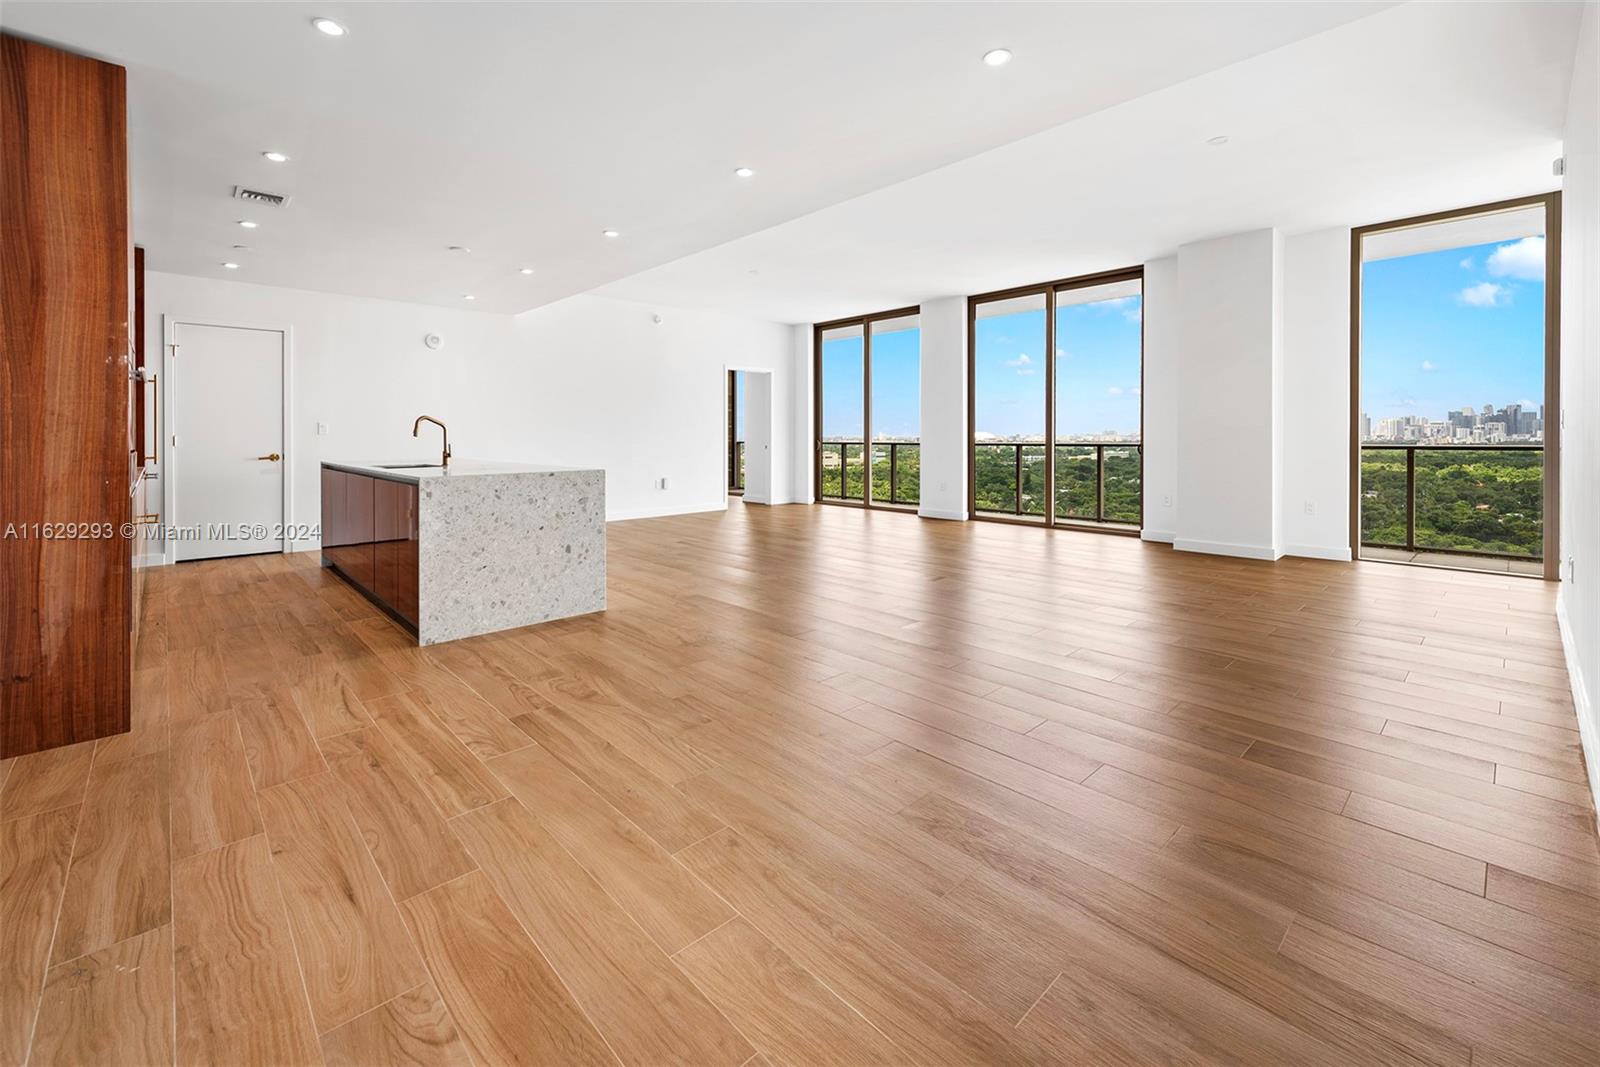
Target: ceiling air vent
x,y
256,196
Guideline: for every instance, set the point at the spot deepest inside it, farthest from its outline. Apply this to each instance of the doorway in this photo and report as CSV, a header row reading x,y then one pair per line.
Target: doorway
x,y
736,438
747,434
226,458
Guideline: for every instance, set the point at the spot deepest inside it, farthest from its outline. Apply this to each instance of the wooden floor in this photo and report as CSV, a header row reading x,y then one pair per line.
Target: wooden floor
x,y
824,786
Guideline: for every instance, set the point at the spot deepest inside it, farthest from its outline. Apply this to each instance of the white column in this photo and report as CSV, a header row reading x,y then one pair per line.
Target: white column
x,y
944,409
1162,346
1229,459
1316,394
803,431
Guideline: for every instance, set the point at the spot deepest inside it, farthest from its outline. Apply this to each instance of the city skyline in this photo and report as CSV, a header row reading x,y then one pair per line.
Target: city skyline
x,y
1469,424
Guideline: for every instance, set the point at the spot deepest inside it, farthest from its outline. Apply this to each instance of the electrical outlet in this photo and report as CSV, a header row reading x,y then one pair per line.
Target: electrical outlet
x,y
661,483
322,429
1166,501
1311,507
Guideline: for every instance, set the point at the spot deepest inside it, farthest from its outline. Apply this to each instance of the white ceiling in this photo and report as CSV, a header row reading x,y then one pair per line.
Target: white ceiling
x,y
1415,109
524,130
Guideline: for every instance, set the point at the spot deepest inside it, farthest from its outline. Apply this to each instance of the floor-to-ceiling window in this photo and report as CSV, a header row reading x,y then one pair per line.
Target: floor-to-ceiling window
x,y
736,432
868,412
1056,403
1453,458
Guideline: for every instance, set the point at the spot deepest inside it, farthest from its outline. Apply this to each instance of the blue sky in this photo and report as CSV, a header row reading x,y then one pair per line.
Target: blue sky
x,y
896,385
1097,370
1459,328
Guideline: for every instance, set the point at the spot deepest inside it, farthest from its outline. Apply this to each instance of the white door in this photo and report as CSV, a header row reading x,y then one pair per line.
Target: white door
x,y
226,452
758,438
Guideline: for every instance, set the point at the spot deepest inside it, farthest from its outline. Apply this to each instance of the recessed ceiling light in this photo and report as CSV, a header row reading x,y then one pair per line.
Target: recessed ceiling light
x,y
247,224
459,248
526,270
276,157
241,248
468,296
230,266
329,27
1219,139
744,172
997,57
610,233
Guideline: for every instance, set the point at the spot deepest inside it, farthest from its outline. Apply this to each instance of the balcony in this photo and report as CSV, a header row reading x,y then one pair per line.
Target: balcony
x,y
1457,503
896,472
1098,484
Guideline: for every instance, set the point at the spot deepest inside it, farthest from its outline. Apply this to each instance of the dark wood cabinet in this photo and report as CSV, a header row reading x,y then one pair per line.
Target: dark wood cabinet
x,y
369,536
67,474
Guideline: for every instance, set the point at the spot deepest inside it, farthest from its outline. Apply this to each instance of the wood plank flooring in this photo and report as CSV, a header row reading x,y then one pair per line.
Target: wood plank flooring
x,y
831,787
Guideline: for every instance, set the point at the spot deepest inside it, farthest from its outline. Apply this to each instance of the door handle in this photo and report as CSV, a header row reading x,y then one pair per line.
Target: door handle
x,y
271,457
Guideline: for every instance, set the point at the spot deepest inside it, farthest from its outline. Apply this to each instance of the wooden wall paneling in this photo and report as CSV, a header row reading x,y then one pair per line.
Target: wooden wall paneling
x,y
65,614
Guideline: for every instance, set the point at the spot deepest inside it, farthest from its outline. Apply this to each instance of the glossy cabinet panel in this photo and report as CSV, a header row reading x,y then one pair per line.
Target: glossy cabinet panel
x,y
66,601
369,535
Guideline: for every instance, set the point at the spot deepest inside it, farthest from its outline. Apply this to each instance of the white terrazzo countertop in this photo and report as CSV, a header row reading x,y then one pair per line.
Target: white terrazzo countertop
x,y
408,471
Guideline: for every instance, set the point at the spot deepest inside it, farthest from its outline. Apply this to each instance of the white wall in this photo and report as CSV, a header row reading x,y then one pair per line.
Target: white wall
x,y
944,409
1161,357
1316,394
1229,365
584,382
803,424
1578,606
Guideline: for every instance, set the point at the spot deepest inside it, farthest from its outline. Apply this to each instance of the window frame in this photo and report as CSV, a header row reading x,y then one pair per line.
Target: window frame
x,y
1551,202
1049,289
865,322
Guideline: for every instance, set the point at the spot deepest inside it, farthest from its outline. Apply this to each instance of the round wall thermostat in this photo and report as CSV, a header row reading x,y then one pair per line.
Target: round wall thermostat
x,y
433,341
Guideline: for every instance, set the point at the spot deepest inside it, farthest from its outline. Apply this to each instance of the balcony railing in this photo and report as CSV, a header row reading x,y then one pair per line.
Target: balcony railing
x,y
896,472
1472,500
736,468
1095,482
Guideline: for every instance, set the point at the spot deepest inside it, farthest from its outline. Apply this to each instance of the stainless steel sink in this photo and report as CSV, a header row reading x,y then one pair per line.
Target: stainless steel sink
x,y
408,466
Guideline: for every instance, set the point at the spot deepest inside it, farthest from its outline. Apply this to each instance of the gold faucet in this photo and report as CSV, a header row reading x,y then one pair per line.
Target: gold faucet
x,y
416,426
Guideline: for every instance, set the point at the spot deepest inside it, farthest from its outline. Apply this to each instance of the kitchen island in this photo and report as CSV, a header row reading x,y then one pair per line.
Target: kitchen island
x,y
469,548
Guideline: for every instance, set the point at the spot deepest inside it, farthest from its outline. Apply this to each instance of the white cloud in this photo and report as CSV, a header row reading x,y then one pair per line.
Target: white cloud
x,y
1484,295
1427,364
1521,259
1114,390
1024,370
1136,391
1466,264
1134,315
1529,403
1022,360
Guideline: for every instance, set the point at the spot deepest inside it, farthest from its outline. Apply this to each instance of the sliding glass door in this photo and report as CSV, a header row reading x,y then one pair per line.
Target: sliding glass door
x,y
1056,403
868,412
1453,454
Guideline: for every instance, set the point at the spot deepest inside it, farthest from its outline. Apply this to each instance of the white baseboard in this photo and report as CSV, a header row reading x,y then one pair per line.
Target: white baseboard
x,y
1340,553
940,513
1166,537
1224,548
1588,728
